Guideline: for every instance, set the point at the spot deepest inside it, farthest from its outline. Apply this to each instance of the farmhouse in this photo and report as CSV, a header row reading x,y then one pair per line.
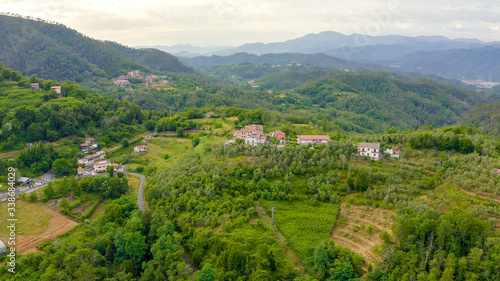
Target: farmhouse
x,y
35,86
371,150
209,114
57,89
140,148
79,171
256,140
279,135
90,140
394,152
314,139
100,166
24,180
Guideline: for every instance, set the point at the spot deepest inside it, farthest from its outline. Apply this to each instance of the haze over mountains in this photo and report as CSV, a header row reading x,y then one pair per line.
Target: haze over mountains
x,y
452,58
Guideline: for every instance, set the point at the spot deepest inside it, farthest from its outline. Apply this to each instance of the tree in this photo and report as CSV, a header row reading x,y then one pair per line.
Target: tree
x,y
110,170
207,273
362,181
63,167
33,197
125,143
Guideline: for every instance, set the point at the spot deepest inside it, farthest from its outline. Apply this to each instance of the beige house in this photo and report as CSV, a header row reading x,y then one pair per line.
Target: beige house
x,y
140,148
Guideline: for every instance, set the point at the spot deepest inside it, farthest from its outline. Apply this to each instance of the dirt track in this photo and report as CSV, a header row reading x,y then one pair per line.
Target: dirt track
x,y
58,225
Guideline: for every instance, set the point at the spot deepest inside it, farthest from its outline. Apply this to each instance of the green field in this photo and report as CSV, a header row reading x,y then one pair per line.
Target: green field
x,y
31,218
305,225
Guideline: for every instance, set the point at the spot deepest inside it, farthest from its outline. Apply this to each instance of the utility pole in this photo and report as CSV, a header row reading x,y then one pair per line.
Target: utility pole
x,y
272,214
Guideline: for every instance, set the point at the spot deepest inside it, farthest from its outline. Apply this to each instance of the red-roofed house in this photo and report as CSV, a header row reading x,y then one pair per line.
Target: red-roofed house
x,y
314,139
248,131
35,86
79,171
57,89
278,134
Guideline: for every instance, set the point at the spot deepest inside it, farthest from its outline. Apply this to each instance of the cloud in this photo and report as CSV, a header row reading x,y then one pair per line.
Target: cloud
x,y
233,22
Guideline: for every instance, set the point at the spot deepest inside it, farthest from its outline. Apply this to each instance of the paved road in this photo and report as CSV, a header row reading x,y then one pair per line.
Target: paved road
x,y
140,191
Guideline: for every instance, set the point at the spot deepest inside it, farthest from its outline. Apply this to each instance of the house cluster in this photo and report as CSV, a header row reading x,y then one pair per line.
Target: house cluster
x,y
123,80
101,166
36,87
90,159
89,145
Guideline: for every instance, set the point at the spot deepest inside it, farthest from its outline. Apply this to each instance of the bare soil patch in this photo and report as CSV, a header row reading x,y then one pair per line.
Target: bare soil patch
x,y
358,229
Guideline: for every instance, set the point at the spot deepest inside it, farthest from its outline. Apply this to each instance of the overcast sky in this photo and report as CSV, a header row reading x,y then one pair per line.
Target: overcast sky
x,y
235,22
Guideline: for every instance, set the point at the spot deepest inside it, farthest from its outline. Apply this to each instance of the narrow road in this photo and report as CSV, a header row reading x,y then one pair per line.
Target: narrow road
x,y
140,191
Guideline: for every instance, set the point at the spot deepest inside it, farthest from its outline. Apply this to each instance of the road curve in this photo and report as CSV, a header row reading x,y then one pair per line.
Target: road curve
x,y
140,191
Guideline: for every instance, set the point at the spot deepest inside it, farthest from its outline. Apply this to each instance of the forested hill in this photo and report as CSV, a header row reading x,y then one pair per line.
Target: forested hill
x,y
53,51
487,118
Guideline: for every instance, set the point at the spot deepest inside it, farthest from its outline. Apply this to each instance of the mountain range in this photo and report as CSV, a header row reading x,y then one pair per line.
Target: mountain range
x,y
451,58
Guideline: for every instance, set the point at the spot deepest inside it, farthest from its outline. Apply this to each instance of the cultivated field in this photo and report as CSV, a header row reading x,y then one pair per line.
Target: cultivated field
x,y
358,228
36,224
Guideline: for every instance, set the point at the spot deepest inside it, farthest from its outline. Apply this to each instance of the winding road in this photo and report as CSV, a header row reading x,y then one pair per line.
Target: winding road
x,y
140,191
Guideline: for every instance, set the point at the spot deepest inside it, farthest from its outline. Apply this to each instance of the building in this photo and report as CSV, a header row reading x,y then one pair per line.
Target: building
x,y
24,181
124,83
57,89
368,149
3,249
134,74
209,114
84,162
100,166
140,148
394,152
94,147
85,147
100,155
35,86
248,131
256,140
279,135
119,168
90,140
313,139
79,171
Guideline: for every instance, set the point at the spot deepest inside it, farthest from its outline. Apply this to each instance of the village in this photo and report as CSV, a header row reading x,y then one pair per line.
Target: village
x,y
254,135
123,81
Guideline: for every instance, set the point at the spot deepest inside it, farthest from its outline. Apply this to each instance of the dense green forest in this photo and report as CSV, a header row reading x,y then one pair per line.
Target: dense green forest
x,y
53,51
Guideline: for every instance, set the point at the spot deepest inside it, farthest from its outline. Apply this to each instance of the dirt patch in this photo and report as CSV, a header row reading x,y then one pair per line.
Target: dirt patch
x,y
358,229
57,225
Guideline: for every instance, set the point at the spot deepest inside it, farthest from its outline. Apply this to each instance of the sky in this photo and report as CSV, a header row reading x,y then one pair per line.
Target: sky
x,y
235,22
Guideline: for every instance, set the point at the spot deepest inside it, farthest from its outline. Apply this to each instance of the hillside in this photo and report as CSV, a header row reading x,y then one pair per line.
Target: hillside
x,y
53,51
486,117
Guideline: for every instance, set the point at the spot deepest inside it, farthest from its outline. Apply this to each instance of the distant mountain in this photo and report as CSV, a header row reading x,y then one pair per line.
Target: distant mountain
x,y
478,63
187,50
320,60
53,51
334,43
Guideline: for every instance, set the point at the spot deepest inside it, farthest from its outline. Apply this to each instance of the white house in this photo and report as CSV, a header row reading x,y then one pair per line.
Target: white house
x,y
140,148
256,140
371,150
84,162
100,166
394,152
